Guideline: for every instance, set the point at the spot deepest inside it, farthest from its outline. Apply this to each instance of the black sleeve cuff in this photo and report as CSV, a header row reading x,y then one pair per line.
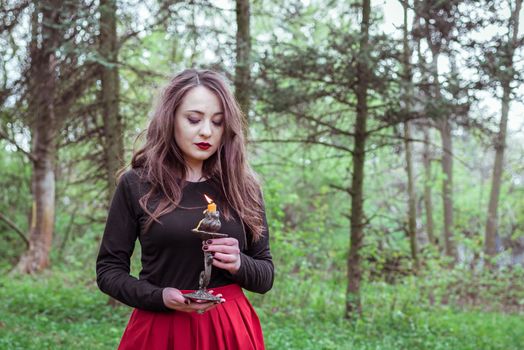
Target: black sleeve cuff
x,y
158,301
254,275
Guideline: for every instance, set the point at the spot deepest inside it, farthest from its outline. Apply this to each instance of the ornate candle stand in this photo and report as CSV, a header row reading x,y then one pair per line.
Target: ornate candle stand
x,y
207,229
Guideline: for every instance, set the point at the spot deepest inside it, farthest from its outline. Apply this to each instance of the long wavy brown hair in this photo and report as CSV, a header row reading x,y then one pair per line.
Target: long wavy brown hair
x,y
162,164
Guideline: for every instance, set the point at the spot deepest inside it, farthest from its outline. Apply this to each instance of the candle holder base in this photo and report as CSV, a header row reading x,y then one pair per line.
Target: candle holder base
x,y
202,294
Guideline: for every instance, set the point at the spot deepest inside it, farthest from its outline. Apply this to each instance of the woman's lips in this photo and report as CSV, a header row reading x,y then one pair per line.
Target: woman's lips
x,y
203,145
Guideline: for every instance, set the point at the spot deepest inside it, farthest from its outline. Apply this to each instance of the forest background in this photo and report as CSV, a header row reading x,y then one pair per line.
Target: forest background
x,y
388,135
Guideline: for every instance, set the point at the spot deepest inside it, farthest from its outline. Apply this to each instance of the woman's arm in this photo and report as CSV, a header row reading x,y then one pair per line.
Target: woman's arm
x,y
113,262
256,272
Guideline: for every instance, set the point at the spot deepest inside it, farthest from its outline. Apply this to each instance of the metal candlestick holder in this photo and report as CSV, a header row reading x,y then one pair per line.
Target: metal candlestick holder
x,y
207,229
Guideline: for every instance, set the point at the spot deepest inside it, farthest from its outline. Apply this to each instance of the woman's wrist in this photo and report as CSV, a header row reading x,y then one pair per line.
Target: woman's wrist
x,y
237,267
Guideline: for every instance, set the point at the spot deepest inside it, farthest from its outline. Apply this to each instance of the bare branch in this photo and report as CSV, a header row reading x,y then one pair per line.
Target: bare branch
x,y
319,122
304,141
15,228
3,135
343,189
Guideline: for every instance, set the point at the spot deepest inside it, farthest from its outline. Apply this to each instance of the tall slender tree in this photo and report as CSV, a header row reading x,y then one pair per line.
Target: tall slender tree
x,y
243,53
438,28
425,127
353,300
45,19
113,130
324,87
408,96
428,200
506,77
54,80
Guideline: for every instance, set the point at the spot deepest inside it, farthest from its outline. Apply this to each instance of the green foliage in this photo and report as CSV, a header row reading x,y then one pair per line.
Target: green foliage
x,y
57,311
304,73
474,289
65,310
15,204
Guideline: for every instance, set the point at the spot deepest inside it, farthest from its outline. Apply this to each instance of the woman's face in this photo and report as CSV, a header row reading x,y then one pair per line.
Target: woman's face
x,y
199,125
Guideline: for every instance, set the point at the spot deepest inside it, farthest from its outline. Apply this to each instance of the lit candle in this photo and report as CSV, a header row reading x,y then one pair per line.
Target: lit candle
x,y
211,207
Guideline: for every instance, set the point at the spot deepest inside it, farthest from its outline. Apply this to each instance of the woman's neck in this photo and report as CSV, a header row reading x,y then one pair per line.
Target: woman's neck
x,y
194,172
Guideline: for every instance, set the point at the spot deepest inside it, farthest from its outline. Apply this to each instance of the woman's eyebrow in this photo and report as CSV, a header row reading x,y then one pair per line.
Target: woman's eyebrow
x,y
202,113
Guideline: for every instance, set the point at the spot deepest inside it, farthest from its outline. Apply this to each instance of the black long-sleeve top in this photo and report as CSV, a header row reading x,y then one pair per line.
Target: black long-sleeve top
x,y
172,255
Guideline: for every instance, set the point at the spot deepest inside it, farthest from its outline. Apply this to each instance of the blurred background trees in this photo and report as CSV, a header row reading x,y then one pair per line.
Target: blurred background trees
x,y
361,114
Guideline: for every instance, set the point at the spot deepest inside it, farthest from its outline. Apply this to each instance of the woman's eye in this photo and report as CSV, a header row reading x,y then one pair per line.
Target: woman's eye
x,y
193,120
218,122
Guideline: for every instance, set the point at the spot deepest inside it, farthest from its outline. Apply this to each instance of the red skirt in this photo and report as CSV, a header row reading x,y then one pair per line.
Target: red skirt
x,y
229,326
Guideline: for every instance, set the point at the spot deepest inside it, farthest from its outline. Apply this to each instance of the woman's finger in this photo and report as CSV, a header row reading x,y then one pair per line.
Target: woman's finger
x,y
202,306
200,301
222,241
221,265
226,258
213,306
227,249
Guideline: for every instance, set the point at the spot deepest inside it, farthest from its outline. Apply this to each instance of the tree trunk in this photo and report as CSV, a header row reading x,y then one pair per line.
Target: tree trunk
x,y
114,144
113,129
500,142
447,187
408,93
243,65
44,126
353,302
426,155
412,213
444,127
490,247
428,201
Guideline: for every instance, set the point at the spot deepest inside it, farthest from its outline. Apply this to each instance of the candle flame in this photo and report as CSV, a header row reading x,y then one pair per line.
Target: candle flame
x,y
209,200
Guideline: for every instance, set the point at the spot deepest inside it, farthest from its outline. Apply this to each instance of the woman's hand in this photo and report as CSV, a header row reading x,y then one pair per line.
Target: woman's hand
x,y
174,299
226,254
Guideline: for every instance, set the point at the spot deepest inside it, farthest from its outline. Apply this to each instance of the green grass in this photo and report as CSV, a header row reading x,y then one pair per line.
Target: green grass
x,y
431,330
395,317
57,312
60,310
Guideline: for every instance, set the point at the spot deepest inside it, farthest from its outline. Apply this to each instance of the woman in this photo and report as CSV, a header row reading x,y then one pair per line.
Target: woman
x,y
194,147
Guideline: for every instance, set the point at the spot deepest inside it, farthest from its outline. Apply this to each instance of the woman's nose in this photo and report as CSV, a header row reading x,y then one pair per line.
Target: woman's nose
x,y
205,130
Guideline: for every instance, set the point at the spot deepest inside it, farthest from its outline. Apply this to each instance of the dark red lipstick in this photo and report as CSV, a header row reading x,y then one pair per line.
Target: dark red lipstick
x,y
203,145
